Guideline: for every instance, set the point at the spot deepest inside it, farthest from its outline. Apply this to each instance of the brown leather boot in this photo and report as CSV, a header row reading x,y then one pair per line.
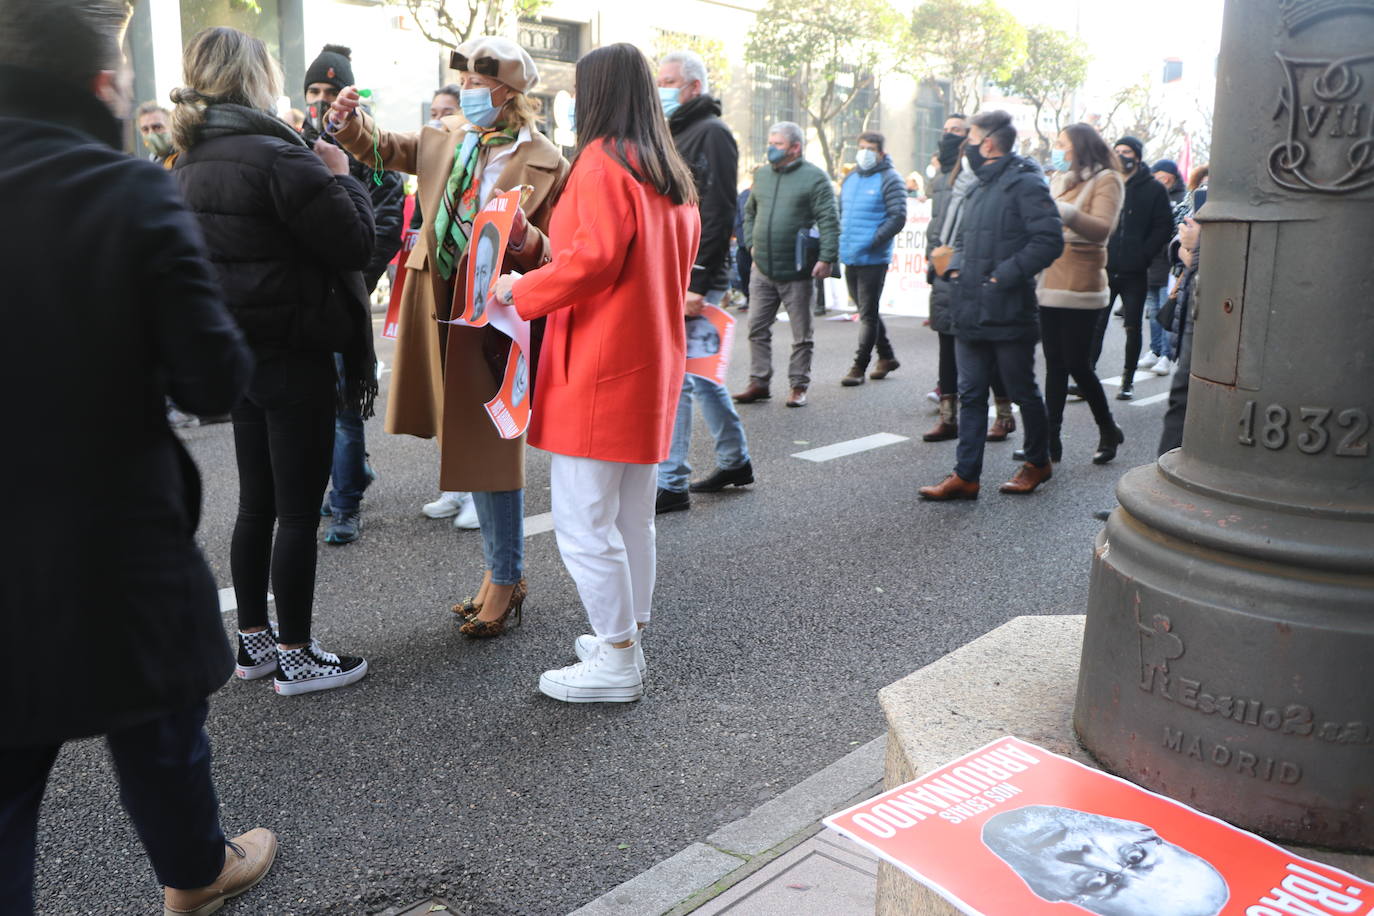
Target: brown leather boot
x,y
947,428
246,862
952,487
755,392
1027,477
797,398
883,368
855,376
1005,423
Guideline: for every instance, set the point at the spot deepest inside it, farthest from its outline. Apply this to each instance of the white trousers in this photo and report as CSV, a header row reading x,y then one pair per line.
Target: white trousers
x,y
603,516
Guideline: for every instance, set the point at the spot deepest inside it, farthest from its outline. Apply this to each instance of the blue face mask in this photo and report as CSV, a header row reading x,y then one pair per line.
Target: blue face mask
x,y
668,98
866,159
1059,161
477,107
776,155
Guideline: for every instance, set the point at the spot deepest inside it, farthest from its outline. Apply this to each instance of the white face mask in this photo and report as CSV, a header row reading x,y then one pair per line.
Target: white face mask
x,y
866,158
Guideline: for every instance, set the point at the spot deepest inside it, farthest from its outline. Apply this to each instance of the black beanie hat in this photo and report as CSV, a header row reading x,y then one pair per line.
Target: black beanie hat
x,y
333,66
1134,144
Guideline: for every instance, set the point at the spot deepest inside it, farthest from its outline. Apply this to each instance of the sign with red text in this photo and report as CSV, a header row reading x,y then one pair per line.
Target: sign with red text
x,y
709,336
1014,830
906,291
391,327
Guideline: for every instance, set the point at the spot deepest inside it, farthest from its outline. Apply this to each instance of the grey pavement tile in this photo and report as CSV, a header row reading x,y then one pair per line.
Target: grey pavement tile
x,y
824,876
662,886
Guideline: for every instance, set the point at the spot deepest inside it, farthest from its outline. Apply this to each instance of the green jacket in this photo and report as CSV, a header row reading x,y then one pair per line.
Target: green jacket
x,y
783,203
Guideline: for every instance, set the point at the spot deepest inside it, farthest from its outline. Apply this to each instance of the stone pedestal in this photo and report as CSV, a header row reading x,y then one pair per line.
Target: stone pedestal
x,y
1019,680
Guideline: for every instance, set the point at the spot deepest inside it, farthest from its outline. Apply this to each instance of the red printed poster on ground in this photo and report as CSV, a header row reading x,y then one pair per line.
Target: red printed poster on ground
x,y
709,336
391,326
1013,830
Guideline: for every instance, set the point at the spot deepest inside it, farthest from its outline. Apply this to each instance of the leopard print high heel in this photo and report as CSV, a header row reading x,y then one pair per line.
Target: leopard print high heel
x,y
476,628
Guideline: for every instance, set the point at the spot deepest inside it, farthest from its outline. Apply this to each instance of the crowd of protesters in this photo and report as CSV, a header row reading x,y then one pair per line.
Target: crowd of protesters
x,y
231,272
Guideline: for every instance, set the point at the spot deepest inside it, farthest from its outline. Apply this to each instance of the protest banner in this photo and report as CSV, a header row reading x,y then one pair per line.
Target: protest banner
x,y
1014,830
709,336
392,323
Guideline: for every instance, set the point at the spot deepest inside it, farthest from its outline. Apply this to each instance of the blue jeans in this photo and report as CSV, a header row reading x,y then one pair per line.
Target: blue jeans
x,y
350,457
1160,344
1015,360
502,516
732,449
164,783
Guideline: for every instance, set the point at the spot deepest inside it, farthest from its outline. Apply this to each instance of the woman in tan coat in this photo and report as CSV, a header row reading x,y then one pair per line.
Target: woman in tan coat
x,y
1087,188
443,373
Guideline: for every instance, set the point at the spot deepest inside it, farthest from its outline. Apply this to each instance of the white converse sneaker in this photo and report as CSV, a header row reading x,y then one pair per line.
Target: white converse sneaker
x,y
1163,367
467,518
609,676
257,654
447,505
311,668
587,645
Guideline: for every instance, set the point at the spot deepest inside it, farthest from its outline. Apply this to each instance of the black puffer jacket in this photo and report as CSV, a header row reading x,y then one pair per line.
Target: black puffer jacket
x,y
1010,231
1178,210
705,142
1144,228
388,193
279,226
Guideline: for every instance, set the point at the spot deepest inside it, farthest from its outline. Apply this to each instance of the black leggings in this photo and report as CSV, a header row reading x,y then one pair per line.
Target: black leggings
x,y
1132,289
1067,337
949,372
284,443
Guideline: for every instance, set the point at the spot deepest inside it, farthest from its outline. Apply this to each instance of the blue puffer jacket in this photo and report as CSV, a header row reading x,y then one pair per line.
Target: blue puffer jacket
x,y
872,212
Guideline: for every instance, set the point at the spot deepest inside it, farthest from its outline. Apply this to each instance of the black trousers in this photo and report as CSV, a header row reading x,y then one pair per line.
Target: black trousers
x,y
1015,359
949,372
284,442
1067,336
865,283
164,783
1131,289
744,264
1172,435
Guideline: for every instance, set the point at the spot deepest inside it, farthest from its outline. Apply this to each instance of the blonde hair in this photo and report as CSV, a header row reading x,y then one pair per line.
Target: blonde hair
x,y
222,66
521,110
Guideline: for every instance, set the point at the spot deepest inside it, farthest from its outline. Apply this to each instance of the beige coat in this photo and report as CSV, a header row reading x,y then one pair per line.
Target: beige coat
x,y
1089,208
443,374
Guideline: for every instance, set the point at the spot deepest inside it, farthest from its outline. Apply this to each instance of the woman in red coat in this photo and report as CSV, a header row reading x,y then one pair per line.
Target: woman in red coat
x,y
624,233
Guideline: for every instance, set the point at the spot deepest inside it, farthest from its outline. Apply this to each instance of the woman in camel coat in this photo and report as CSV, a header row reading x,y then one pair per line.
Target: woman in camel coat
x,y
443,374
1088,190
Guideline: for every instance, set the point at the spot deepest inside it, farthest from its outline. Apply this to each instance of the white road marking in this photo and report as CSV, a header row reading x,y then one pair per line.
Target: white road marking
x,y
852,447
538,524
1140,376
1152,399
227,601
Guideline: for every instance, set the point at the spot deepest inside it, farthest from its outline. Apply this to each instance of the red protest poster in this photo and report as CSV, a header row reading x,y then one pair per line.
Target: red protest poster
x,y
709,336
486,251
510,409
1013,830
391,326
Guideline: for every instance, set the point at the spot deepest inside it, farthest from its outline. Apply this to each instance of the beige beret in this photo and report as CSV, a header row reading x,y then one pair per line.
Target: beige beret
x,y
499,58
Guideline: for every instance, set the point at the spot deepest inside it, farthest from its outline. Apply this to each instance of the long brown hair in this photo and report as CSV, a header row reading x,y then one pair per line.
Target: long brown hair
x,y
617,102
1090,151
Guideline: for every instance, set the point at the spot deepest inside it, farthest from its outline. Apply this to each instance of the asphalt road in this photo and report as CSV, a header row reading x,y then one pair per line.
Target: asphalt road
x,y
781,610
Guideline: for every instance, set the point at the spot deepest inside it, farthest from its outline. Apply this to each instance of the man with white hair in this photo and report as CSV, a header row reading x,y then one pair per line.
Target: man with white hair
x,y
790,196
706,144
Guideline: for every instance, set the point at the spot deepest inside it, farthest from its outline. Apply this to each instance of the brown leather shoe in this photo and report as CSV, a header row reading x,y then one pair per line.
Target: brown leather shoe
x,y
1028,477
798,398
1005,423
883,368
755,392
855,377
247,858
952,487
948,427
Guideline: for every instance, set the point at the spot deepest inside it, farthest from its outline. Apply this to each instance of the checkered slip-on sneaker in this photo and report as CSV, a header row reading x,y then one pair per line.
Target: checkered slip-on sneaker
x,y
257,654
310,669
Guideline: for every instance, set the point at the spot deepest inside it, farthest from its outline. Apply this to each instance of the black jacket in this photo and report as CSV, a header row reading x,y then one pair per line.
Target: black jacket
x,y
1010,231
703,140
388,193
110,611
280,228
1178,212
1145,226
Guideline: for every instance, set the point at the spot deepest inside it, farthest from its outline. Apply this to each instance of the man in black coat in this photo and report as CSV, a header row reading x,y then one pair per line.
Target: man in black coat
x,y
709,149
327,74
113,622
1009,232
1145,226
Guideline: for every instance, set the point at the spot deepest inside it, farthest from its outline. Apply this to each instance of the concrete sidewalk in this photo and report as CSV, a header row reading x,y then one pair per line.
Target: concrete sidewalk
x,y
776,860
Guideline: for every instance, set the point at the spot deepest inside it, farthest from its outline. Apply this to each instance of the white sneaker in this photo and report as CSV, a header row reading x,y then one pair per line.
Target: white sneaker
x,y
588,645
1147,360
467,519
609,676
1164,366
447,505
933,397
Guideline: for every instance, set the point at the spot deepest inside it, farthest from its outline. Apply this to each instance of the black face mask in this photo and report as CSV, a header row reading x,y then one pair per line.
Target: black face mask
x,y
949,150
1127,163
976,159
